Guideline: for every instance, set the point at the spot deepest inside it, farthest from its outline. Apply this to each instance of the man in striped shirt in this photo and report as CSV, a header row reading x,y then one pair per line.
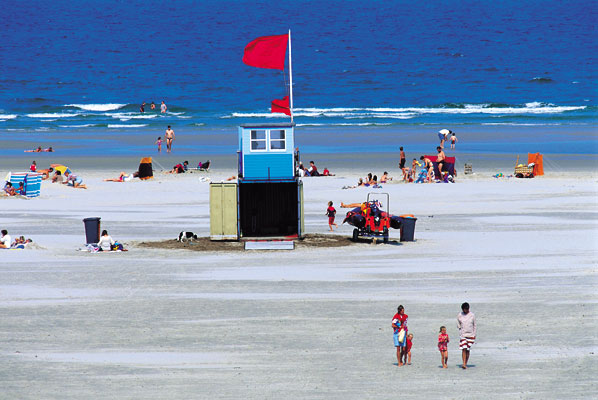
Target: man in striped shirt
x,y
467,332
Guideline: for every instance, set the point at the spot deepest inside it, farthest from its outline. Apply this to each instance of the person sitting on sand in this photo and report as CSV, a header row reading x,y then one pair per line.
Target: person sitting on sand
x,y
124,177
9,190
5,239
179,168
326,172
106,242
74,181
385,178
21,189
313,170
59,171
38,150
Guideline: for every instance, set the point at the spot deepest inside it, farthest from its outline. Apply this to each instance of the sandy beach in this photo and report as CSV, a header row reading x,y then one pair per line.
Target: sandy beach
x,y
309,323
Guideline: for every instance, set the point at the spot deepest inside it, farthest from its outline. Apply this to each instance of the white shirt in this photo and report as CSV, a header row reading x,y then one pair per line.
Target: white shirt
x,y
5,240
105,242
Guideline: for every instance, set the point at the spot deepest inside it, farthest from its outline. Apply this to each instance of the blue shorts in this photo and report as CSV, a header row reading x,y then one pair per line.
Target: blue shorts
x,y
395,336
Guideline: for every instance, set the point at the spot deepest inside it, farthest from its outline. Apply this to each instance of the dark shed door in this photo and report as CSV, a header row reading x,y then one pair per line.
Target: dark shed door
x,y
268,209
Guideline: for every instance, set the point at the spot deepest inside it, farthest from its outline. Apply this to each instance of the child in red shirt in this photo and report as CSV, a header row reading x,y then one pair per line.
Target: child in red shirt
x,y
331,212
408,349
443,340
33,167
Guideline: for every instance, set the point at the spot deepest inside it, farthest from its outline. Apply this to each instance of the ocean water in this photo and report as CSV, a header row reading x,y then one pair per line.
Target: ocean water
x,y
82,68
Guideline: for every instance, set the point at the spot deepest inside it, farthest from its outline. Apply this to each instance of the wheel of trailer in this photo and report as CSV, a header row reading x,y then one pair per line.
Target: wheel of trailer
x,y
355,234
385,235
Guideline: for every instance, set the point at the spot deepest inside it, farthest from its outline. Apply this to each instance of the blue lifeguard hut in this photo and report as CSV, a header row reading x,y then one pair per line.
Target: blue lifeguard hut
x,y
267,200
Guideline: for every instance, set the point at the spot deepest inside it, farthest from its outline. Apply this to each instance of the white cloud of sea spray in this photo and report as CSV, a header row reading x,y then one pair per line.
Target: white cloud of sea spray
x,y
115,126
97,107
4,117
412,112
52,115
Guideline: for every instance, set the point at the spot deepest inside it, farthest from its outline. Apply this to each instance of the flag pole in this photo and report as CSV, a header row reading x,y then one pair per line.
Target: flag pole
x,y
290,79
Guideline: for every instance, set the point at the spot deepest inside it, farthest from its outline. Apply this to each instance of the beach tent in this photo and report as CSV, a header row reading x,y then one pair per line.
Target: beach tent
x,y
32,181
536,158
145,168
449,165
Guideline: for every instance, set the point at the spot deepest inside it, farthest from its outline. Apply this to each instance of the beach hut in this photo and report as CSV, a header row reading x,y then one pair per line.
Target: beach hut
x,y
32,181
268,196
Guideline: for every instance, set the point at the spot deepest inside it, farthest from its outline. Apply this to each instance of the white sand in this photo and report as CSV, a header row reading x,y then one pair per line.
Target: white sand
x,y
309,323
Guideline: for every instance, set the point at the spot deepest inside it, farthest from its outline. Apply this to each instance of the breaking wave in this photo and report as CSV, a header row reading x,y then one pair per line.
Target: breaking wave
x,y
97,107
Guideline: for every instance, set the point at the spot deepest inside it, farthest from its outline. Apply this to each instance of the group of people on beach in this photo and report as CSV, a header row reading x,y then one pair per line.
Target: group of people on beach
x,y
7,243
312,170
403,340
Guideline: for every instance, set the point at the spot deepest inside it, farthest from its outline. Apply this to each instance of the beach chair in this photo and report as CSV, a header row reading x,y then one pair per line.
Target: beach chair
x,y
32,181
146,170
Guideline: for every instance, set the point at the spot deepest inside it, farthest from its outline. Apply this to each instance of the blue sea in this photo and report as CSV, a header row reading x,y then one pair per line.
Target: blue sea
x,y
86,66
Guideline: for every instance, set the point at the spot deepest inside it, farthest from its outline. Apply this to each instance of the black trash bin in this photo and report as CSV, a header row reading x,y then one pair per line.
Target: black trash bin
x,y
407,228
92,230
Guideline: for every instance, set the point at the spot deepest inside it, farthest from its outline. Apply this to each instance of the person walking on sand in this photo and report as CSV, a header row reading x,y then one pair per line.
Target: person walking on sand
x,y
399,325
440,160
159,143
453,141
331,212
467,332
169,139
443,340
408,350
163,108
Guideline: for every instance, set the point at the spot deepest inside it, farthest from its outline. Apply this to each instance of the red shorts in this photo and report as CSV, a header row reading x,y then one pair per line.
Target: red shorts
x,y
330,220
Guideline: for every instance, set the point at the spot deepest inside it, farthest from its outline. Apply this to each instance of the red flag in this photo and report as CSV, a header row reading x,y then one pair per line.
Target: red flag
x,y
267,52
281,106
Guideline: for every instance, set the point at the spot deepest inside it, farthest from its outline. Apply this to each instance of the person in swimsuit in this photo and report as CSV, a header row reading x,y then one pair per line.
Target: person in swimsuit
x,y
142,108
429,167
123,177
159,143
153,106
441,160
453,141
169,139
163,108
45,173
38,150
402,164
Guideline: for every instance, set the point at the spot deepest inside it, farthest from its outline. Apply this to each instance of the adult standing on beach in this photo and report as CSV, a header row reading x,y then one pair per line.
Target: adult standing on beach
x,y
402,161
163,107
399,325
169,138
440,160
467,332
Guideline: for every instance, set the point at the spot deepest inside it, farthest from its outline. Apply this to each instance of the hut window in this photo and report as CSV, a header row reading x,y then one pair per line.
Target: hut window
x,y
277,139
258,140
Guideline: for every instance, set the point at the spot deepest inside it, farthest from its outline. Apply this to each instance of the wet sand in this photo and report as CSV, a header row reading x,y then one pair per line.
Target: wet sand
x,y
161,323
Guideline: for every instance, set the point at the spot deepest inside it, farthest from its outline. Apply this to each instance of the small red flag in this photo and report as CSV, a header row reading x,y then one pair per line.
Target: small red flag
x,y
281,106
267,52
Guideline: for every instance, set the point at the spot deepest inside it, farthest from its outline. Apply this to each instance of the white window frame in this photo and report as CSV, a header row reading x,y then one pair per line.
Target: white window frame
x,y
284,141
264,140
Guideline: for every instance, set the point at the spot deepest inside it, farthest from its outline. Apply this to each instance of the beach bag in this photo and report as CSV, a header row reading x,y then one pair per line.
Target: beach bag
x,y
117,246
401,335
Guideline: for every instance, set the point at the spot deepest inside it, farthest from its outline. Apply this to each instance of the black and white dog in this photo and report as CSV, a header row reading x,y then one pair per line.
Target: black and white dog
x,y
187,236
